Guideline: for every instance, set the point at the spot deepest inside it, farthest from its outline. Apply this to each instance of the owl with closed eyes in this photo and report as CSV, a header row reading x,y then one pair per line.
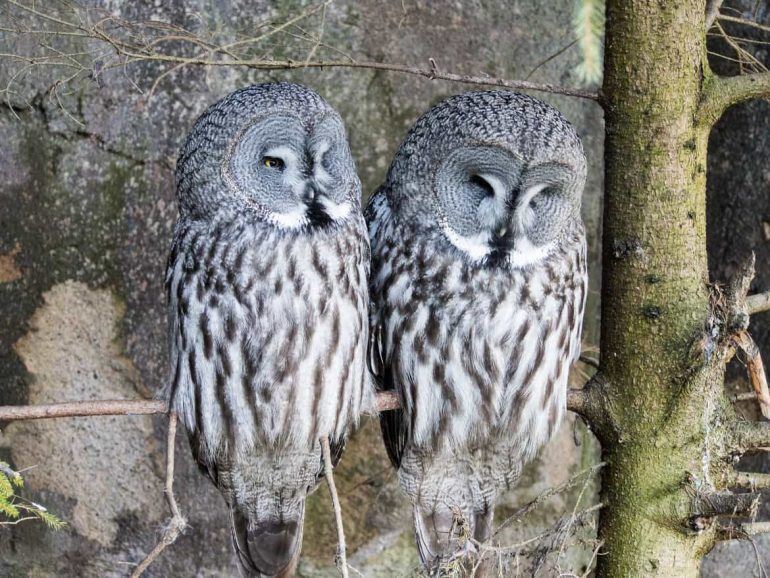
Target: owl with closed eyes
x,y
267,308
478,288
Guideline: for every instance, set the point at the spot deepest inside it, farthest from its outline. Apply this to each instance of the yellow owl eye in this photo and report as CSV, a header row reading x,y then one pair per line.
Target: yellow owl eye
x,y
273,162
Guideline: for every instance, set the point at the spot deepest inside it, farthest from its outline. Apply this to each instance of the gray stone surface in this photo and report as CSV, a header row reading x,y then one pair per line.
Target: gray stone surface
x,y
85,219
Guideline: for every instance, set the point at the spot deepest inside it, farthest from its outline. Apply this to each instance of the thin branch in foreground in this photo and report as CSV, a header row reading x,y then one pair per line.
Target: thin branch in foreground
x,y
83,409
525,510
177,523
342,561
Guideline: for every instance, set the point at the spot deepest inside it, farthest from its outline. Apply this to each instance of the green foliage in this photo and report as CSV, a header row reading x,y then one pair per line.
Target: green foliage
x,y
589,29
14,508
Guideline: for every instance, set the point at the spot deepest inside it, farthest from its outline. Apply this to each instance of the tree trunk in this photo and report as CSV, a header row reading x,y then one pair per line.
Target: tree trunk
x,y
655,297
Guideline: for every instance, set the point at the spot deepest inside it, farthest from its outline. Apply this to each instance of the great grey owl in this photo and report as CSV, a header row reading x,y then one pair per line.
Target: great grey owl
x,y
478,291
268,308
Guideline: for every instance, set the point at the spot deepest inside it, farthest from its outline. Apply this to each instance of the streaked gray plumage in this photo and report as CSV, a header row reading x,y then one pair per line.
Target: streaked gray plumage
x,y
478,291
267,295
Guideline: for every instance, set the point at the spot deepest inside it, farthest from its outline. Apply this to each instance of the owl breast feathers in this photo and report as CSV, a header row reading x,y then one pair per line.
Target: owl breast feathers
x,y
478,291
267,306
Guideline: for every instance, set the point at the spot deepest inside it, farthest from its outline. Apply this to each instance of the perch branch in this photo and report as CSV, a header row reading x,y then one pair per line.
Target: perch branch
x,y
82,409
177,523
342,561
587,402
385,400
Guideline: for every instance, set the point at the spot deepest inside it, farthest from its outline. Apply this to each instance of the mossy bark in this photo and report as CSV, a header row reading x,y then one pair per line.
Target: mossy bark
x,y
658,398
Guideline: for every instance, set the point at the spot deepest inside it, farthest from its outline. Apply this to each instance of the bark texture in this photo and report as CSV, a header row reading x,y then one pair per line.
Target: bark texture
x,y
655,299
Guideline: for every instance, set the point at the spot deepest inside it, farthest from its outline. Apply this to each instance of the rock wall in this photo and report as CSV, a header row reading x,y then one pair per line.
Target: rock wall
x,y
86,212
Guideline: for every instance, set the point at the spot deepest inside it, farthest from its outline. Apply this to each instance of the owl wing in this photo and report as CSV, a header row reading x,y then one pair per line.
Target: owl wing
x,y
580,273
393,423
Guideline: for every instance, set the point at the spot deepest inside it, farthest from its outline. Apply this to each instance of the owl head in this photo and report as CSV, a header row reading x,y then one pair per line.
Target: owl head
x,y
498,176
276,152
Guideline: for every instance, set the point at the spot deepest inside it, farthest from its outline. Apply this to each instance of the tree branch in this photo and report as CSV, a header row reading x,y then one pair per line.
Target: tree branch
x,y
143,41
727,503
712,12
385,400
743,531
722,92
750,435
748,480
758,303
342,561
756,369
177,523
82,409
587,402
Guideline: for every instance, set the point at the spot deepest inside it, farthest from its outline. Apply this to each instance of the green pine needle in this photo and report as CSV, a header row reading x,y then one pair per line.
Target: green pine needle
x,y
11,505
589,29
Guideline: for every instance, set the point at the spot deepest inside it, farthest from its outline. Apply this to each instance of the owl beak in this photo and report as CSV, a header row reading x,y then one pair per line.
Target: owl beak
x,y
311,192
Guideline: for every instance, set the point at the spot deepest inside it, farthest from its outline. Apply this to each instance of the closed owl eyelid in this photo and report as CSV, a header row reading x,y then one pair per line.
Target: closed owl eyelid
x,y
490,183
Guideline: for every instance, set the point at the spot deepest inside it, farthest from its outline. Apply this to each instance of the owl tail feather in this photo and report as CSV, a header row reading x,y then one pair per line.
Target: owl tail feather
x,y
267,549
443,534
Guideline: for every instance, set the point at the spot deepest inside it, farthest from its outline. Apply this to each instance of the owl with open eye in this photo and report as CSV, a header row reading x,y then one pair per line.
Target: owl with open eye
x,y
478,288
268,308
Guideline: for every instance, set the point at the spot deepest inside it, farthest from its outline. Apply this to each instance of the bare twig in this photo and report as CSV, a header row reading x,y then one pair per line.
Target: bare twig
x,y
743,21
750,435
756,370
342,561
748,480
743,531
176,524
712,12
525,510
82,408
147,41
727,503
744,396
758,303
567,522
590,361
